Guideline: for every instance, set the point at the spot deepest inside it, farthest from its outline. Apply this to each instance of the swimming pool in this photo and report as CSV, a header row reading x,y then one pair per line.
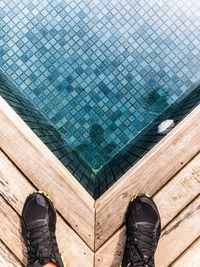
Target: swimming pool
x,y
94,79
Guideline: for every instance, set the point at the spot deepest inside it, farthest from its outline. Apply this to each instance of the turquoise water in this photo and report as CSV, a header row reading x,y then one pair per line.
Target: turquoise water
x,y
101,71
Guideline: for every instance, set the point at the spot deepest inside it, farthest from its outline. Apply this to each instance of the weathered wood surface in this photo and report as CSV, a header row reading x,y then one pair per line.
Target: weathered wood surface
x,y
179,234
180,191
46,172
110,254
10,230
178,201
177,194
7,259
191,257
148,175
14,188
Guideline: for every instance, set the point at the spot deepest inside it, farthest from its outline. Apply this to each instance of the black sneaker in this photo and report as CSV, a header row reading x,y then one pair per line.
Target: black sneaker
x,y
38,230
143,229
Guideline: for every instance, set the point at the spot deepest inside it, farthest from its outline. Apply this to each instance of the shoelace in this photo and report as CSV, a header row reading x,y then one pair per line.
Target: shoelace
x,y
41,243
141,245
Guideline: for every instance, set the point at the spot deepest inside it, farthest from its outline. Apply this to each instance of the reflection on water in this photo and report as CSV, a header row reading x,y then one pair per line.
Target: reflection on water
x,y
96,150
155,102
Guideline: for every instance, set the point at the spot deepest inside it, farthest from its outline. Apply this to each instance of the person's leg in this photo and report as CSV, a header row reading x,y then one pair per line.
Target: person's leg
x,y
38,230
50,265
143,229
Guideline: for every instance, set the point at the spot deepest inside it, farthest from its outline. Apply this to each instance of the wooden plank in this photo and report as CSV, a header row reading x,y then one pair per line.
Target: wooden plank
x,y
46,172
179,234
148,175
171,199
7,259
111,253
10,230
179,192
191,257
175,238
74,250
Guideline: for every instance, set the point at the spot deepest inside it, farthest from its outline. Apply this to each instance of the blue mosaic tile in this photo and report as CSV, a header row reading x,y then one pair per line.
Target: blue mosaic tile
x,y
101,71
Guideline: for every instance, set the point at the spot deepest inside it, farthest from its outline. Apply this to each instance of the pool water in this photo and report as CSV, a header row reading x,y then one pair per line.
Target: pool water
x,y
101,71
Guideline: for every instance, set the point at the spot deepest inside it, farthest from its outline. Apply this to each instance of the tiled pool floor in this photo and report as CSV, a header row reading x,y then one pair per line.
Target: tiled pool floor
x,y
101,71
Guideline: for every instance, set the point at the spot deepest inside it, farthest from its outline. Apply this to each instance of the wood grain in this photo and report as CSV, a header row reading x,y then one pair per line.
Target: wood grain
x,y
171,199
10,230
111,253
191,257
179,192
46,172
179,234
175,238
148,175
14,187
7,259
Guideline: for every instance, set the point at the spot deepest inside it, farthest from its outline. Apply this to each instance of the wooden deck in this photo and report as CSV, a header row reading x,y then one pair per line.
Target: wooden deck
x,y
92,233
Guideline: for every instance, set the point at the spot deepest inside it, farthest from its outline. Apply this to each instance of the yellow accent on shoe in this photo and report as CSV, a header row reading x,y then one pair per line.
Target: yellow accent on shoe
x,y
137,195
65,265
45,194
134,197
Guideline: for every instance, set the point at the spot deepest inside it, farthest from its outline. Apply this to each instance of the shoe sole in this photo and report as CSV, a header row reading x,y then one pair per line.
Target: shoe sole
x,y
50,202
45,194
139,195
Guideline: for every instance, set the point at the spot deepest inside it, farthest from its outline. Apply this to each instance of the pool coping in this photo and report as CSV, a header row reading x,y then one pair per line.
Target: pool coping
x,y
97,220
155,168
